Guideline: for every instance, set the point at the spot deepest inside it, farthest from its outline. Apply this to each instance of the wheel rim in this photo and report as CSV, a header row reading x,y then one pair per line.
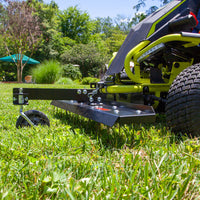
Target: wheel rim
x,y
36,119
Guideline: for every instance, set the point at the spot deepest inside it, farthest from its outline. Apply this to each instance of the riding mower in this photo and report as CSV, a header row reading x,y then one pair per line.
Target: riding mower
x,y
157,69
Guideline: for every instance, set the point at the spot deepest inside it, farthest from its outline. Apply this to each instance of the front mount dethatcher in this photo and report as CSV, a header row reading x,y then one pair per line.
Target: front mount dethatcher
x,y
89,103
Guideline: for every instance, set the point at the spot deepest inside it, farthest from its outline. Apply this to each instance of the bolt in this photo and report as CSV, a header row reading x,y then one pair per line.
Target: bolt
x,y
99,99
138,112
78,91
116,111
84,91
91,99
114,107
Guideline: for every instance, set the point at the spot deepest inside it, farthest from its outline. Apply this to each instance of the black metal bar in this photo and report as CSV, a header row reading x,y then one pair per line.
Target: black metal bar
x,y
80,95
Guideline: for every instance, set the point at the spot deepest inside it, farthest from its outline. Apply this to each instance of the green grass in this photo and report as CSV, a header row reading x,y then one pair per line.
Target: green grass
x,y
79,159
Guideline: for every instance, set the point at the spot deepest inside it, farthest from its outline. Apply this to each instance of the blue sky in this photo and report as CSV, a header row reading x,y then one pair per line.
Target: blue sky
x,y
104,8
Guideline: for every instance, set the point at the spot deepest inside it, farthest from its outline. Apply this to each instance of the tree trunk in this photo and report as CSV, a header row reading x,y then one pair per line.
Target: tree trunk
x,y
19,73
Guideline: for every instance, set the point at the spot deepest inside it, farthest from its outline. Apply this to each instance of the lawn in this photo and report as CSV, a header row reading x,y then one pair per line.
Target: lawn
x,y
76,158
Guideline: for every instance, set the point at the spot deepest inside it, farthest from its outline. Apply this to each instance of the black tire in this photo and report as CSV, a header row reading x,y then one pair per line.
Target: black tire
x,y
183,102
35,116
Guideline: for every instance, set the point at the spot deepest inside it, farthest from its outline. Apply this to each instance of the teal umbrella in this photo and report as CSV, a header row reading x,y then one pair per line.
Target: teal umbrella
x,y
16,57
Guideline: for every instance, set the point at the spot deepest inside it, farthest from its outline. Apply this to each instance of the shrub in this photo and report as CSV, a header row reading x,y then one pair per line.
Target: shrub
x,y
7,76
88,57
65,81
77,82
88,80
47,72
8,72
71,71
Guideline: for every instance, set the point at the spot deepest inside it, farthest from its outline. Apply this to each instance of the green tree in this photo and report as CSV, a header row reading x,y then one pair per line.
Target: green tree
x,y
104,26
20,29
115,41
76,25
99,40
123,23
139,16
54,43
8,71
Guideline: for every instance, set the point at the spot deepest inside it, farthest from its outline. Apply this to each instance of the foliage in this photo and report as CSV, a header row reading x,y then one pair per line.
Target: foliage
x,y
64,81
115,41
87,56
8,72
71,71
7,76
88,80
47,72
76,24
52,40
138,18
141,3
103,26
77,158
20,30
2,48
123,23
99,41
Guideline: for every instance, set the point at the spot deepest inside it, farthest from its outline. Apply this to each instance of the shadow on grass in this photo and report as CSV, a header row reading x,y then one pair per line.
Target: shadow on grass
x,y
176,137
119,136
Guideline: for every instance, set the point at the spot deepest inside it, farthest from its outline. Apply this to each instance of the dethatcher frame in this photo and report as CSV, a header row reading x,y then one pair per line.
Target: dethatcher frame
x,y
85,102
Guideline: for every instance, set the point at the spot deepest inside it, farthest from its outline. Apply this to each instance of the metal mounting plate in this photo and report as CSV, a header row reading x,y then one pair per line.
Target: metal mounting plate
x,y
109,113
27,94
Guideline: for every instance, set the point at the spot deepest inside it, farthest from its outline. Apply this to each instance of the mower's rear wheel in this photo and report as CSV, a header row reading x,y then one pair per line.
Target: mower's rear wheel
x,y
183,102
37,117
